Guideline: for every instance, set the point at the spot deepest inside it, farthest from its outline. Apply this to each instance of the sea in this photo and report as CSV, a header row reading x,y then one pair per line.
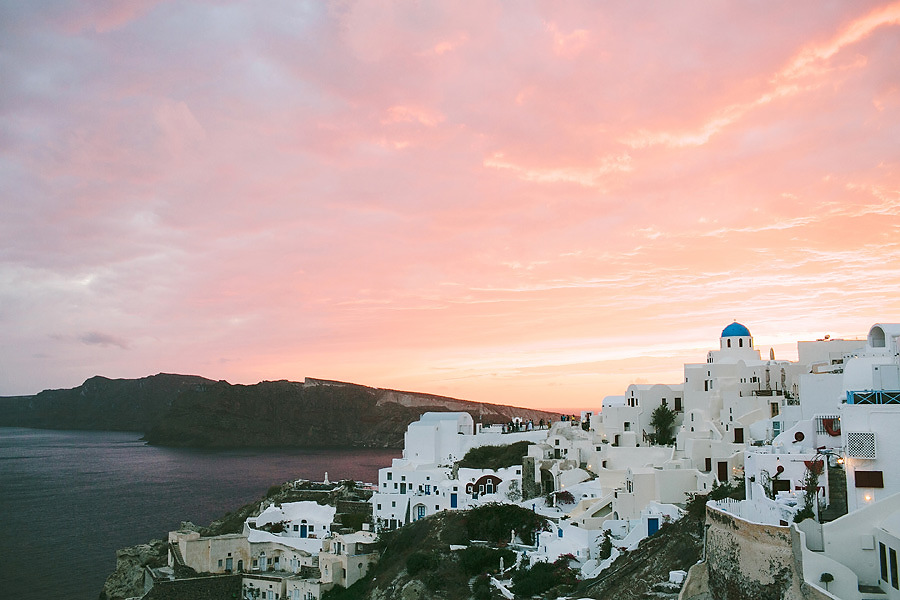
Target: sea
x,y
70,499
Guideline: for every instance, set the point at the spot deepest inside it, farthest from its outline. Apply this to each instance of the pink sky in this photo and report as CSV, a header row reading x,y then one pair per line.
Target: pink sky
x,y
532,203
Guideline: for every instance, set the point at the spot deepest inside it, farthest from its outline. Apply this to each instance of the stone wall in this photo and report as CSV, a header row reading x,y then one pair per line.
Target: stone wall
x,y
696,586
198,588
530,487
749,560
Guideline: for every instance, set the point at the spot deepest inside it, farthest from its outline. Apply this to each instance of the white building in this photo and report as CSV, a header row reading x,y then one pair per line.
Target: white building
x,y
870,420
295,519
425,482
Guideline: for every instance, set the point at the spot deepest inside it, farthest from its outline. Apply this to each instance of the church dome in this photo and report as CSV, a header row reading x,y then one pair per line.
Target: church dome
x,y
735,330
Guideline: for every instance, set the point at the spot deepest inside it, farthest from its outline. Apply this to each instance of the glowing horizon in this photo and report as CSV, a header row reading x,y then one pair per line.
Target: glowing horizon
x,y
533,206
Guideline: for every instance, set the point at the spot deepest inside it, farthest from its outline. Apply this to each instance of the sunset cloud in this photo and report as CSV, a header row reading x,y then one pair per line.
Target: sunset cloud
x,y
532,204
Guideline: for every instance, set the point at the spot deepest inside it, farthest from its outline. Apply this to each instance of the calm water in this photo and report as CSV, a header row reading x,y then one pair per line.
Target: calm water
x,y
69,499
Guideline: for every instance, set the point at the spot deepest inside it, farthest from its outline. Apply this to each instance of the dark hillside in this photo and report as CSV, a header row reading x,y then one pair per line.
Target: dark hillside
x,y
186,410
100,404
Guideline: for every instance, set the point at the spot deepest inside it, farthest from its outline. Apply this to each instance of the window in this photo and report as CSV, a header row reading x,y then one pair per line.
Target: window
x,y
390,475
379,507
296,528
894,569
678,407
220,563
781,485
882,555
861,444
869,479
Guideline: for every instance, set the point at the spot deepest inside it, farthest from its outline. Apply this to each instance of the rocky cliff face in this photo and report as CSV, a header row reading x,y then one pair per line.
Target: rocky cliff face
x,y
186,410
127,581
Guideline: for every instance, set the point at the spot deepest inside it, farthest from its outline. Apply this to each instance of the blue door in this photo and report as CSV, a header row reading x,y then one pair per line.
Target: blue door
x,y
652,525
304,531
452,500
420,511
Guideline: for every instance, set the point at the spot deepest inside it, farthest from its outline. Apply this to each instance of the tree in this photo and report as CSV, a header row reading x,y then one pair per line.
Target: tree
x,y
606,546
662,420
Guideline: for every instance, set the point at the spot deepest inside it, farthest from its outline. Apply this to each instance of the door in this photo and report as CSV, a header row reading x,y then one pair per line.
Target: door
x,y
738,435
452,500
652,525
420,511
402,488
723,472
708,465
304,530
229,563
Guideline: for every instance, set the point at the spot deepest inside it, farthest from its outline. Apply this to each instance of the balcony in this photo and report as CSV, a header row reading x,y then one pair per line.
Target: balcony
x,y
874,397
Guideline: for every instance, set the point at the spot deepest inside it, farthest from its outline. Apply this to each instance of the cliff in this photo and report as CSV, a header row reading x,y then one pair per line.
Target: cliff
x,y
99,404
314,413
191,411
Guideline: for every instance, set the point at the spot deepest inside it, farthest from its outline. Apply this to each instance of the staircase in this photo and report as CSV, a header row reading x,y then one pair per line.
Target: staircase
x,y
837,486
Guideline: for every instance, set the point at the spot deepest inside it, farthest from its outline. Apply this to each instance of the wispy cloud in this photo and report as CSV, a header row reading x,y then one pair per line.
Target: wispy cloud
x,y
536,204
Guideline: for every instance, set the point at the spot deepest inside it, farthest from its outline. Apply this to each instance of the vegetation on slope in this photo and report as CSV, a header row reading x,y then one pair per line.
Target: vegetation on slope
x,y
417,562
495,457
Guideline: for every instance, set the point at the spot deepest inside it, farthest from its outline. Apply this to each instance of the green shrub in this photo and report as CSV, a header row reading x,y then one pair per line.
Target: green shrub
x,y
479,559
804,513
495,522
495,457
542,577
354,592
606,546
420,561
733,489
662,419
353,520
481,588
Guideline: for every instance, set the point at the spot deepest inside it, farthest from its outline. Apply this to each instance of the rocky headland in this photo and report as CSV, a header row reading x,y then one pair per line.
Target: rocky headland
x,y
192,411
